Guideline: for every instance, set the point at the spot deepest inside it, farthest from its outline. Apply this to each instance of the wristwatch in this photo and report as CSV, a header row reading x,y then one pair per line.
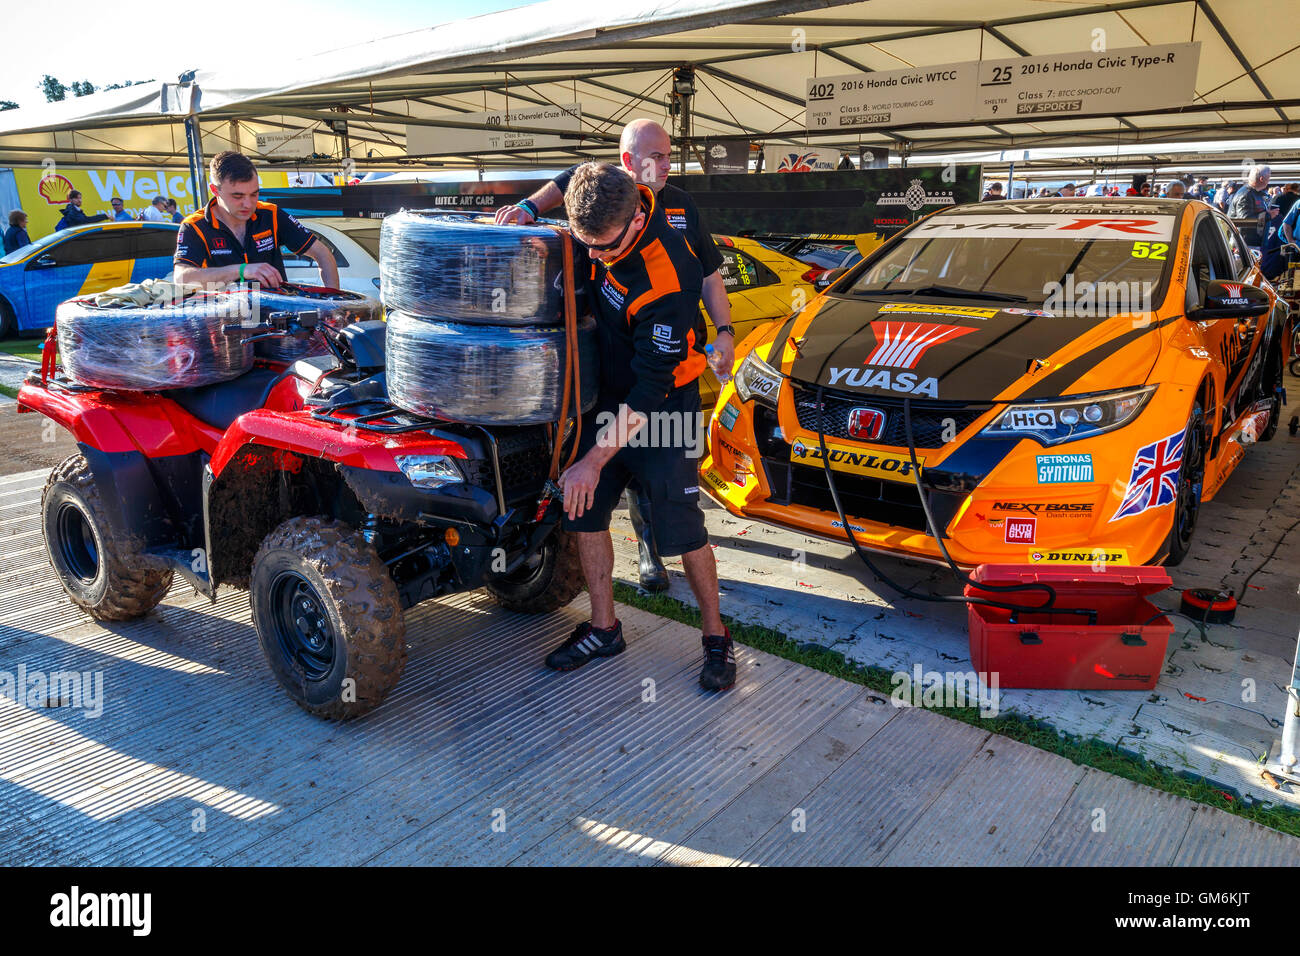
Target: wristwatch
x,y
727,328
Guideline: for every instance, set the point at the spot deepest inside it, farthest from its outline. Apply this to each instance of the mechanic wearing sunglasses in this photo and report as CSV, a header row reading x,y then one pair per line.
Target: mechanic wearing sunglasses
x,y
645,151
645,287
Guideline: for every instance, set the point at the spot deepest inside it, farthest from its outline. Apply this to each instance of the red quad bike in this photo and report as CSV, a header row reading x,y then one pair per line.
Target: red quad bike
x,y
302,484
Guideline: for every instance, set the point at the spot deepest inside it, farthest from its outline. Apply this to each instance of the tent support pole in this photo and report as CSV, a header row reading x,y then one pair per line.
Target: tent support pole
x,y
194,147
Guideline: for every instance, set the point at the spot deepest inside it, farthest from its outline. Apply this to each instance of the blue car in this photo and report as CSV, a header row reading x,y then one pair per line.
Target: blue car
x,y
79,261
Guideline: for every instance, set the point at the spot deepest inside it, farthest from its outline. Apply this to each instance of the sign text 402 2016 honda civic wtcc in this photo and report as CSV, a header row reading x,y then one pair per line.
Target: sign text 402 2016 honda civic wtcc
x,y
1080,376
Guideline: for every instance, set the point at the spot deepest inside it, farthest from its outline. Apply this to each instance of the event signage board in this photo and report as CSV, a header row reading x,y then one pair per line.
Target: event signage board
x,y
286,144
1058,84
42,193
799,159
512,129
848,202
726,155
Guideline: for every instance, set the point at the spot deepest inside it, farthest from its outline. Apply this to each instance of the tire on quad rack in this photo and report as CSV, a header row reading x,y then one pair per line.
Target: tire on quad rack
x,y
546,582
328,617
103,573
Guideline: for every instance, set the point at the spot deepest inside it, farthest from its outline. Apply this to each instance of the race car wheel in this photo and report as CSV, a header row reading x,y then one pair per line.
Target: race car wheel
x,y
546,582
328,617
1191,477
1272,384
8,321
107,575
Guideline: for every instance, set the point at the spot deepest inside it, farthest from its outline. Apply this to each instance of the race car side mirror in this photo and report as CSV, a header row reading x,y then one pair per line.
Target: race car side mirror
x,y
1231,300
823,281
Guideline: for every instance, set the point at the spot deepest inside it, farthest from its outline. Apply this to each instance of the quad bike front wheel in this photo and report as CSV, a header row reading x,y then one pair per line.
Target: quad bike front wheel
x,y
102,571
545,582
328,617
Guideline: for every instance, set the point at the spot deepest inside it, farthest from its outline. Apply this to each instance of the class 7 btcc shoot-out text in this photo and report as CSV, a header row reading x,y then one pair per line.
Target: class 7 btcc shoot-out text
x,y
1063,380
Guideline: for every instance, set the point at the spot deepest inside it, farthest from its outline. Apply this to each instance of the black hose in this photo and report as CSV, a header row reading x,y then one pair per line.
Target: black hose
x,y
908,592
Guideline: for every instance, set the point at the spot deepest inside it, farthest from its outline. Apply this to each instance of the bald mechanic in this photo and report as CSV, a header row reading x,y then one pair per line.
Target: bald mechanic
x,y
645,286
237,238
645,151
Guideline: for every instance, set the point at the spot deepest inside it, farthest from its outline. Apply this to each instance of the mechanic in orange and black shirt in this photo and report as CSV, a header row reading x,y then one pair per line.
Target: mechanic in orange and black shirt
x,y
645,291
236,238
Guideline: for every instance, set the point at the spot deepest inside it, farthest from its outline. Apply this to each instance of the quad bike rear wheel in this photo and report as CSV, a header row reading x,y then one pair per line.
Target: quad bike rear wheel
x,y
546,582
103,572
328,617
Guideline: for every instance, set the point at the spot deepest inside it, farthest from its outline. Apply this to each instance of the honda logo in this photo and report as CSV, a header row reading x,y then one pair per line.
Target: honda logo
x,y
866,423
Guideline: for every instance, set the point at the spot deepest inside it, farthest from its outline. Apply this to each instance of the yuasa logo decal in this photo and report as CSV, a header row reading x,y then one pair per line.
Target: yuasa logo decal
x,y
902,344
883,378
1021,530
1154,479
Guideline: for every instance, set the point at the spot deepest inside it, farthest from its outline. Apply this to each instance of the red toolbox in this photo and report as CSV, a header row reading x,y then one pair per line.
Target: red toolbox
x,y
1123,649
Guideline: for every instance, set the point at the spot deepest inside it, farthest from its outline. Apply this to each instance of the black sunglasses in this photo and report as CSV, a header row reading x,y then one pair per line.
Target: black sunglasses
x,y
615,244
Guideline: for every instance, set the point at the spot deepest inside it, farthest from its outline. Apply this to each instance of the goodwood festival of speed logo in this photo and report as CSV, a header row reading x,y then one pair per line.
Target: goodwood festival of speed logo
x,y
914,197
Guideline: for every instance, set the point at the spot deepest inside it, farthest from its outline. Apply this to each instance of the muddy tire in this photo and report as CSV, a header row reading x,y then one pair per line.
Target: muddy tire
x,y
328,617
546,582
1191,481
107,575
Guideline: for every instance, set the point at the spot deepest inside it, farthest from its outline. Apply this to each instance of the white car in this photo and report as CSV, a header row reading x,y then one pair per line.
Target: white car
x,y
354,240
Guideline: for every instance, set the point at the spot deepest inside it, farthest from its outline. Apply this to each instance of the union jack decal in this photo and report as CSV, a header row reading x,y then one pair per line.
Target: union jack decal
x,y
901,344
1154,481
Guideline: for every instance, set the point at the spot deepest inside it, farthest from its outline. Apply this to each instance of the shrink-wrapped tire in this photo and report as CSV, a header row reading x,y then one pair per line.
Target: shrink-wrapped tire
x,y
338,307
485,375
456,270
153,348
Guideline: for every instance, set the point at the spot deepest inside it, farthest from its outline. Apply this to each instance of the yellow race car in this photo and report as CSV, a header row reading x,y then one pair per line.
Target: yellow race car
x,y
1064,380
762,284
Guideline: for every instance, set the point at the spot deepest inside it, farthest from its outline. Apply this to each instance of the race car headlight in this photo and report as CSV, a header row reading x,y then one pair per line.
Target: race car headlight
x,y
757,381
429,471
1051,423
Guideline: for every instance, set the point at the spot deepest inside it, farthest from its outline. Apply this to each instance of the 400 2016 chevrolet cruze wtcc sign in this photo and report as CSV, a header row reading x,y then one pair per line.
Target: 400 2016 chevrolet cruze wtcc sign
x,y
1091,365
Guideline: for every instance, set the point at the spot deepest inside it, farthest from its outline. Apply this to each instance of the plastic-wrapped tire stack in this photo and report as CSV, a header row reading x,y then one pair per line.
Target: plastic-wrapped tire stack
x,y
151,349
338,307
476,321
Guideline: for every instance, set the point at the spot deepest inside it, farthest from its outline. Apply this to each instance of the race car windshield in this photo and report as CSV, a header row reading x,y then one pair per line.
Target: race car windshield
x,y
1005,263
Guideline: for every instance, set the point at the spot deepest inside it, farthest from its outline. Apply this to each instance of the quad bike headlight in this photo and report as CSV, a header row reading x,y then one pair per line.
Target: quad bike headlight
x,y
757,381
429,471
1052,423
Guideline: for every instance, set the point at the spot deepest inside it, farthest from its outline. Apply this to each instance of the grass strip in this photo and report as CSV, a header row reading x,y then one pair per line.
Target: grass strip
x,y
1086,752
23,348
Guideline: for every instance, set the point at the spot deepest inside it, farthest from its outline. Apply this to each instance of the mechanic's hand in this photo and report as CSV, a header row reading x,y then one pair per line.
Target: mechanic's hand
x,y
263,273
514,214
579,484
723,356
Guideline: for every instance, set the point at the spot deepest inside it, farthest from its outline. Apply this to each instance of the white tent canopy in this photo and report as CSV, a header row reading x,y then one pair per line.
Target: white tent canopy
x,y
751,60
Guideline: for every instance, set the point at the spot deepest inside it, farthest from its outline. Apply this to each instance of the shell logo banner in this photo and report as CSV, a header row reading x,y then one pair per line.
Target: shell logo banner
x,y
42,193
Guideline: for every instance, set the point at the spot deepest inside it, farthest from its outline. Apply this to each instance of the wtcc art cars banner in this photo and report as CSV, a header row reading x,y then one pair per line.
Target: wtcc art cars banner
x,y
846,202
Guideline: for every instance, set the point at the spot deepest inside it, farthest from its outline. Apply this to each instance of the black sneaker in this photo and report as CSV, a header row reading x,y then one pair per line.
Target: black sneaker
x,y
719,671
585,643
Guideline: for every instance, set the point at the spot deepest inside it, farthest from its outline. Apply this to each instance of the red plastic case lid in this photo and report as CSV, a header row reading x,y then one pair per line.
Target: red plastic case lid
x,y
1144,579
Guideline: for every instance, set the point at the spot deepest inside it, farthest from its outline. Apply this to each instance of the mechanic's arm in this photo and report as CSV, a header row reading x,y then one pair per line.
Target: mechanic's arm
x,y
545,199
718,306
263,273
320,254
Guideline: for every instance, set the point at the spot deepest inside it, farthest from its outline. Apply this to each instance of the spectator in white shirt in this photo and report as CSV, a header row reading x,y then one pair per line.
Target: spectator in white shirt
x,y
156,211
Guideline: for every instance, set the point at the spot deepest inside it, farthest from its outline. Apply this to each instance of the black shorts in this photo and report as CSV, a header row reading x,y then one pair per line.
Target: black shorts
x,y
668,472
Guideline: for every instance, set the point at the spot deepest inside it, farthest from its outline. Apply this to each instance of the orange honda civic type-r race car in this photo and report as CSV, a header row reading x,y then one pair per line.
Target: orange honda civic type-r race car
x,y
1079,375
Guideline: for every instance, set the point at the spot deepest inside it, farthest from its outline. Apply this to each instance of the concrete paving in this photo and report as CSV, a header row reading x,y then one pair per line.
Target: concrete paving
x,y
483,756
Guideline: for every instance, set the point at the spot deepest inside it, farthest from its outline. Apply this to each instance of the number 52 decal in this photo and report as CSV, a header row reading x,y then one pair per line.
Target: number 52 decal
x,y
1150,250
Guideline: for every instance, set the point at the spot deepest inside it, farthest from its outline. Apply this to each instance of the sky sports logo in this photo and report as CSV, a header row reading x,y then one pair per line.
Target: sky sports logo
x,y
1060,469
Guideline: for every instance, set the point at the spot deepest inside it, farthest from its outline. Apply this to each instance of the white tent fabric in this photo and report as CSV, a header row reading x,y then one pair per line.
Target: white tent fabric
x,y
751,59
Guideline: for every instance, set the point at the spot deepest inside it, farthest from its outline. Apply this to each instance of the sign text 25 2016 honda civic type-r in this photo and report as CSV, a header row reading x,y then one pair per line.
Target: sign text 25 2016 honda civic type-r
x,y
1080,376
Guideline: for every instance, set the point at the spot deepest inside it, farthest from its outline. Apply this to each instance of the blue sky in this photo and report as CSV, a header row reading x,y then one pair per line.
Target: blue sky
x,y
151,39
